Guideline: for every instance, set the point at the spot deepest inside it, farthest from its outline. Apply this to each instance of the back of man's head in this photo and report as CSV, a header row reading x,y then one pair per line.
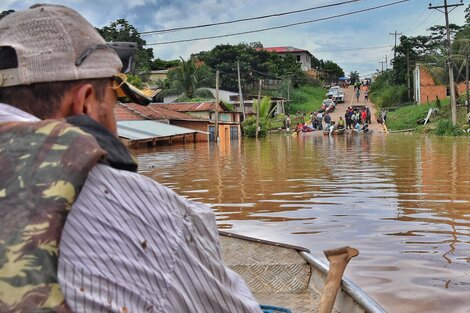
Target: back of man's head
x,y
44,51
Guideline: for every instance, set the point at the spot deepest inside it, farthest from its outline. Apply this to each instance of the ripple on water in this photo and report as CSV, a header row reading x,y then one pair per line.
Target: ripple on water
x,y
402,200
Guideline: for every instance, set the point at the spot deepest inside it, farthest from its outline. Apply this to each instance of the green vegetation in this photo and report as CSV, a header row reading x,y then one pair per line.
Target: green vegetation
x,y
329,70
121,31
389,96
430,51
445,128
385,93
249,127
406,117
189,80
306,99
277,122
440,124
255,64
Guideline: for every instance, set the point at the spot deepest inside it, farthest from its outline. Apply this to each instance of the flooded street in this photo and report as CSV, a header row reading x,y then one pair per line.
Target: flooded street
x,y
402,200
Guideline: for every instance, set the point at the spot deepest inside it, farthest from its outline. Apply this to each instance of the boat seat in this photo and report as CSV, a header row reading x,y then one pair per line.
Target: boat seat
x,y
266,269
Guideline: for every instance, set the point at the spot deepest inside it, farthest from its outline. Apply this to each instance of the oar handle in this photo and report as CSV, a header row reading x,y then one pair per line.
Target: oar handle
x,y
339,259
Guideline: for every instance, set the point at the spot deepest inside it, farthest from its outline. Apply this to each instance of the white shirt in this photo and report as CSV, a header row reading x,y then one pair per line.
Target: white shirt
x,y
132,245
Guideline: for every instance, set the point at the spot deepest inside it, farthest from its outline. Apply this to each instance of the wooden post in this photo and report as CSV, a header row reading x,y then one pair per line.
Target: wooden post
x,y
216,130
240,94
453,104
466,78
408,83
288,96
257,108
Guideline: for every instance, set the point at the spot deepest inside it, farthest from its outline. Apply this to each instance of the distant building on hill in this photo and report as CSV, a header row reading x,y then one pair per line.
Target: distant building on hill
x,y
304,57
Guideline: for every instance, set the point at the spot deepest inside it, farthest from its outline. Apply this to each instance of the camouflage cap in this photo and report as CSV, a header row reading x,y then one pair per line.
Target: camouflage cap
x,y
48,40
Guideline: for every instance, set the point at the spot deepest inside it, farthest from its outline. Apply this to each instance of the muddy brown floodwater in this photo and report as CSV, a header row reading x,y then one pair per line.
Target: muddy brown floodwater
x,y
402,200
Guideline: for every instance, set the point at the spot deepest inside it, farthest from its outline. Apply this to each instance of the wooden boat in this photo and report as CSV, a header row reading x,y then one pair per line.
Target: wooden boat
x,y
289,276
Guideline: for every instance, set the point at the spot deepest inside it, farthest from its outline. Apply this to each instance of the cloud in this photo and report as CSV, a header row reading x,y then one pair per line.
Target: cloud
x,y
330,38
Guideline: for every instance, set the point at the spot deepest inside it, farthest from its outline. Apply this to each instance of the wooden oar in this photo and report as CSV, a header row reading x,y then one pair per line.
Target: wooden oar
x,y
338,258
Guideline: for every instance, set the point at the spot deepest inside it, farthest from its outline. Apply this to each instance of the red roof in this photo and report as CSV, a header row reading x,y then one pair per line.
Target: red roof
x,y
192,106
287,49
133,111
124,114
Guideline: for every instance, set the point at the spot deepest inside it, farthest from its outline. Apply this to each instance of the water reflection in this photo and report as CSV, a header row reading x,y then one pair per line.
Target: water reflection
x,y
402,200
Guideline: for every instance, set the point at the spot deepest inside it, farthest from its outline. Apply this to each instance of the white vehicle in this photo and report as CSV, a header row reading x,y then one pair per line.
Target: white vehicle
x,y
337,93
333,90
339,96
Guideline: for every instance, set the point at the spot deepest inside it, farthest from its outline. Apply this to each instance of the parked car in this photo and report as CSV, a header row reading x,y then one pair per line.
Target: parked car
x,y
333,90
339,96
337,93
328,105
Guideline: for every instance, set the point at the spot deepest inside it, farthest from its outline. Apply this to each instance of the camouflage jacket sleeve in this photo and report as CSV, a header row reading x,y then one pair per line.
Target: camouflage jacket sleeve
x,y
43,167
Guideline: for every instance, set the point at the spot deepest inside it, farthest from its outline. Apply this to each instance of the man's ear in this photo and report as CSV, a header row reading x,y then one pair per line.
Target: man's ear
x,y
83,99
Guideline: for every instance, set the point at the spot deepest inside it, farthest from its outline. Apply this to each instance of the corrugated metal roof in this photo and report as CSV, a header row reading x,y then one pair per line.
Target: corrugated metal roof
x,y
138,130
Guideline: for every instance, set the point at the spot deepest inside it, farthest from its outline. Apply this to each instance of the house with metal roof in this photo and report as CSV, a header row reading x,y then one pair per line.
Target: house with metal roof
x,y
145,125
226,120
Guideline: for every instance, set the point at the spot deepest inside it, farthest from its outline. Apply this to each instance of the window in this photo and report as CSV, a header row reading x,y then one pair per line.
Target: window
x,y
211,133
233,132
298,58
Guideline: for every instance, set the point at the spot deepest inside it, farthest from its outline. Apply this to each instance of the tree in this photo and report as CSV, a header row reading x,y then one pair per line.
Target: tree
x,y
5,13
255,44
121,30
438,37
316,63
354,77
159,64
412,50
189,80
255,64
332,71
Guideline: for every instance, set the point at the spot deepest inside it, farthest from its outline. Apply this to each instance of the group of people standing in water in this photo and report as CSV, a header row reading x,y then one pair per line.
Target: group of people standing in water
x,y
357,115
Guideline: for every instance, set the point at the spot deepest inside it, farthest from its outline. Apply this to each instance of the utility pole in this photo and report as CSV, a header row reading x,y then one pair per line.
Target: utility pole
x,y
386,62
453,105
395,47
466,79
240,94
257,108
408,82
216,131
288,95
382,62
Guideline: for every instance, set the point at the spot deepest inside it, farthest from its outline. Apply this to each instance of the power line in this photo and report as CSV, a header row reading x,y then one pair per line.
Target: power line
x,y
150,32
416,20
268,75
281,26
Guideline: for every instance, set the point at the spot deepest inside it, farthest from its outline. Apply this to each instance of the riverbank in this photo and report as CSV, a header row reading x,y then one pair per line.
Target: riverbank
x,y
307,99
406,118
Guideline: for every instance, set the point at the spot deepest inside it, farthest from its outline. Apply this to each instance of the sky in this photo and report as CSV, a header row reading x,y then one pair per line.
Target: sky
x,y
358,42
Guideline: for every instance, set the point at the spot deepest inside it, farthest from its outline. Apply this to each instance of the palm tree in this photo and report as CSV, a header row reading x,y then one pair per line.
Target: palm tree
x,y
188,80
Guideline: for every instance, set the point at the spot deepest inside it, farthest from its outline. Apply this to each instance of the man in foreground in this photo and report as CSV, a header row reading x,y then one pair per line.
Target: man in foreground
x,y
127,243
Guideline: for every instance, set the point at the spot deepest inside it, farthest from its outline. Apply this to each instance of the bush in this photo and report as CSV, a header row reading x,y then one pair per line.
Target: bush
x,y
277,121
249,127
306,99
389,96
445,128
407,116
